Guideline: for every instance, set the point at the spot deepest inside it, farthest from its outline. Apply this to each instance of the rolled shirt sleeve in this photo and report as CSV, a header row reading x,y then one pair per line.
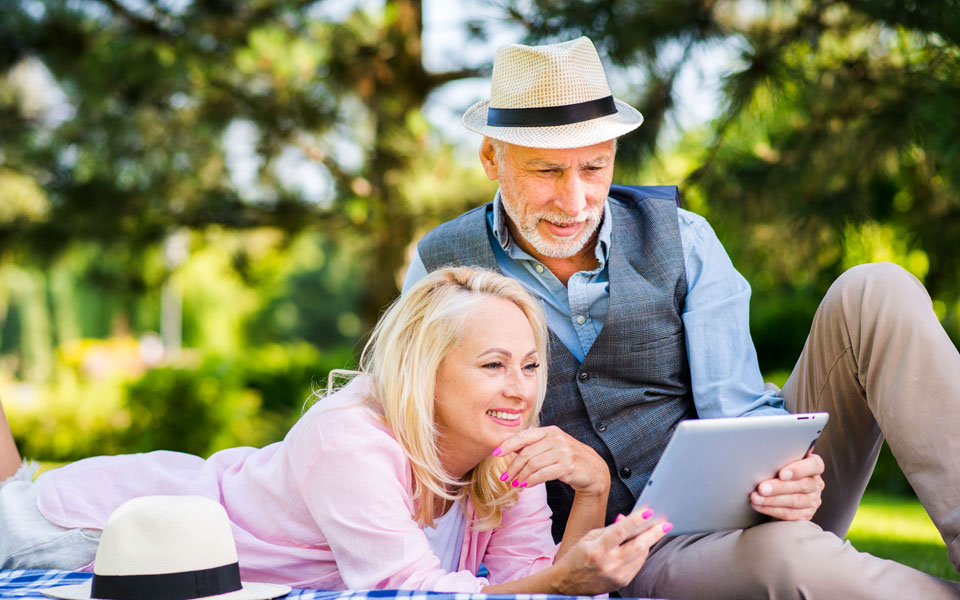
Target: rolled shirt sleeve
x,y
724,372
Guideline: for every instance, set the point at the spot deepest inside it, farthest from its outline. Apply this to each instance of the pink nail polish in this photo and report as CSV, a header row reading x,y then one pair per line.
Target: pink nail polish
x,y
647,513
524,484
515,483
497,451
667,527
505,476
617,520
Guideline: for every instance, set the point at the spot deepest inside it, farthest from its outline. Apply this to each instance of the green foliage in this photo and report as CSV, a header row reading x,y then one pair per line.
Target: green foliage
x,y
238,290
285,376
185,410
887,477
217,403
129,137
221,404
67,419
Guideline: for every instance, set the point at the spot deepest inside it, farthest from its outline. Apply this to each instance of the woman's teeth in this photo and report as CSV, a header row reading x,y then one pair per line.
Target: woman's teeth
x,y
503,415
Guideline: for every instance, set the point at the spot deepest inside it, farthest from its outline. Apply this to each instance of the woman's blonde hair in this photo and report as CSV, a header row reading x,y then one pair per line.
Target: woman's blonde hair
x,y
403,355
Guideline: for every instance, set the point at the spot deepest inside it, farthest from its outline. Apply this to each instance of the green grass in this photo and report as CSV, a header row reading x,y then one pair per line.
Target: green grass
x,y
898,528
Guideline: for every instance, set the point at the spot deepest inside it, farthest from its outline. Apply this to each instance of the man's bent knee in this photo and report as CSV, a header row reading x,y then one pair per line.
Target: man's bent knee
x,y
780,559
873,278
865,288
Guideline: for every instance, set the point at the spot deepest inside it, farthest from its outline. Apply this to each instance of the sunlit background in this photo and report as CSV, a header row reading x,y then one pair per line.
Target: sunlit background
x,y
205,205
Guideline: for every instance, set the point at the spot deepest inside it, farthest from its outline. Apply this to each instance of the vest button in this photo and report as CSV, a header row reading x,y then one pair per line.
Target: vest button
x,y
601,427
583,376
625,472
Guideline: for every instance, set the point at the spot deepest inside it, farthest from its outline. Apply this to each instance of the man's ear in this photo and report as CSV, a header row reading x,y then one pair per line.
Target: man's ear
x,y
488,158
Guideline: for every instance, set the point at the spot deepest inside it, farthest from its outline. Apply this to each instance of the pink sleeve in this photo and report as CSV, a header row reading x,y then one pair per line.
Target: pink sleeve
x,y
523,544
356,481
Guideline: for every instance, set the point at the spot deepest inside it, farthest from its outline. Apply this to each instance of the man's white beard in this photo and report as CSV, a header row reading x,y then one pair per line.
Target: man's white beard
x,y
550,247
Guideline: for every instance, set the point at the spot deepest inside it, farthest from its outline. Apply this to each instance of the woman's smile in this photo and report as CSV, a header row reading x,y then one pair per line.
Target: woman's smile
x,y
506,417
492,372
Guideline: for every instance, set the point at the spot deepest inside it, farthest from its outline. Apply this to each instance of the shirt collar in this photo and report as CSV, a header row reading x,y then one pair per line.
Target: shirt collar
x,y
502,233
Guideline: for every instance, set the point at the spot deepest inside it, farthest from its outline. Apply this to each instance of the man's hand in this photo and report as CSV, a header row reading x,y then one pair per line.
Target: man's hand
x,y
795,494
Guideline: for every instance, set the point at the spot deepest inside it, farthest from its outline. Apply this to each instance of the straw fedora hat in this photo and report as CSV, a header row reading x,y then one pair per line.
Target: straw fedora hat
x,y
167,548
553,96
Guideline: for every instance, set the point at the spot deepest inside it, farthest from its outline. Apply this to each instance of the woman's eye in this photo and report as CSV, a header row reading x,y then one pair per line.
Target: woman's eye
x,y
532,366
493,365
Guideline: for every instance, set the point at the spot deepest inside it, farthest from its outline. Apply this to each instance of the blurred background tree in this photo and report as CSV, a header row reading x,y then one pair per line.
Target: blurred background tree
x,y
234,175
260,171
161,116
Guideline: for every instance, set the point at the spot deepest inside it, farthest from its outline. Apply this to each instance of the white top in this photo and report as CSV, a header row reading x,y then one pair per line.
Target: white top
x,y
446,538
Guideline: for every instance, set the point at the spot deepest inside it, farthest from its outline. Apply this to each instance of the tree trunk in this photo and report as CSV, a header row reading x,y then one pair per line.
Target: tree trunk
x,y
398,87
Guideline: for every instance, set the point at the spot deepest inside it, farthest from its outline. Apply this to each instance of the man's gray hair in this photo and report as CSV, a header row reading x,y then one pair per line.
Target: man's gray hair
x,y
499,146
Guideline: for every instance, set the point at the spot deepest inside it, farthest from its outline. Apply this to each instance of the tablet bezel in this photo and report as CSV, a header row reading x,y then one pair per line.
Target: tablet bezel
x,y
704,477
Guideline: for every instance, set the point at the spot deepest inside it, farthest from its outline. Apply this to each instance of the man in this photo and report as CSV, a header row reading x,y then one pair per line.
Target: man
x,y
649,326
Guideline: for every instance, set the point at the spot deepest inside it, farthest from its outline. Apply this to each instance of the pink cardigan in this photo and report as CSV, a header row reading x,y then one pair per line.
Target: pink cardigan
x,y
329,507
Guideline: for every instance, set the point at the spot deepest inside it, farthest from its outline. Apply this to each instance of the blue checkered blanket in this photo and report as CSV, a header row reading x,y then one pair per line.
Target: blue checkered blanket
x,y
27,584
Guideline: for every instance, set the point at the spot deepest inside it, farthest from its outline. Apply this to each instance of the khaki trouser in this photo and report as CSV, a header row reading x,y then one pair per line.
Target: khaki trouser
x,y
879,362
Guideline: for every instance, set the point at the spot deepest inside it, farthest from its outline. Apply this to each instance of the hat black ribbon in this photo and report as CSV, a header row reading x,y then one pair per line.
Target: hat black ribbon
x,y
168,586
547,116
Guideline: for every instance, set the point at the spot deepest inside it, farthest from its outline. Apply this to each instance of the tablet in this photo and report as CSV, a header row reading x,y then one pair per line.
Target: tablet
x,y
708,469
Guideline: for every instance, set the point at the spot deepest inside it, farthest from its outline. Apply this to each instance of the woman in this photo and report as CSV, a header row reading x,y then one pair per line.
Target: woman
x,y
425,465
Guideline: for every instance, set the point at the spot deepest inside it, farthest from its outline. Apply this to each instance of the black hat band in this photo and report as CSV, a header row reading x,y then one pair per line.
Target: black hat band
x,y
168,586
548,116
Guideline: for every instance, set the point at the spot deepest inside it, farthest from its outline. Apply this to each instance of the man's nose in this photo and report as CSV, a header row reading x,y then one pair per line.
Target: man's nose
x,y
571,195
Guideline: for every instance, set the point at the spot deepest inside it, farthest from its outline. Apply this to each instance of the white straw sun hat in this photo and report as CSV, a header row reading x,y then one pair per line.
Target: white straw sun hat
x,y
553,96
167,548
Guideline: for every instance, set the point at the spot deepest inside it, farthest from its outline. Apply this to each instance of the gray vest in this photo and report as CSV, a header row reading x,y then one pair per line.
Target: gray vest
x,y
633,386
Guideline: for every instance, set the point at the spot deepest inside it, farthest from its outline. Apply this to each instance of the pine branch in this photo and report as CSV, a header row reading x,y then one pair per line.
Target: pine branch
x,y
139,22
435,80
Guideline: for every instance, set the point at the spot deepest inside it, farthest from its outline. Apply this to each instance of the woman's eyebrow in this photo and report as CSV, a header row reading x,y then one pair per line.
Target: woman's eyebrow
x,y
506,353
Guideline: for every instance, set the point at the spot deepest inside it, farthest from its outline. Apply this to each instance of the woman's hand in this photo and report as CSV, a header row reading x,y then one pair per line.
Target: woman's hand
x,y
603,560
546,454
607,559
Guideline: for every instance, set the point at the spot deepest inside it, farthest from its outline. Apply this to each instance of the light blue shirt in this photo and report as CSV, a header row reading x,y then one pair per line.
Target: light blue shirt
x,y
724,372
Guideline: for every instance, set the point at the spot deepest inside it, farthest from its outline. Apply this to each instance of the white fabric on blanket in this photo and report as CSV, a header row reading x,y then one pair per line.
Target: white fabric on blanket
x,y
28,540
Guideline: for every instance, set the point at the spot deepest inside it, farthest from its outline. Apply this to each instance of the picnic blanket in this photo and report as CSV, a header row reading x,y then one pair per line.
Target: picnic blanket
x,y
27,584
